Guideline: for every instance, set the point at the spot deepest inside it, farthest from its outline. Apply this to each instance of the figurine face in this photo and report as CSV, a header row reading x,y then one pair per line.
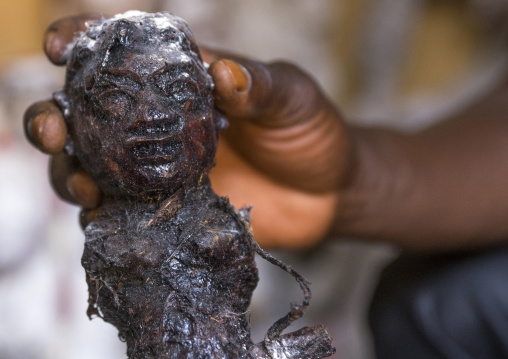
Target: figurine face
x,y
141,116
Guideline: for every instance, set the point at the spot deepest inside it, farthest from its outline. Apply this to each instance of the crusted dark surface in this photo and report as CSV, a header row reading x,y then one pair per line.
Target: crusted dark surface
x,y
139,106
178,289
168,262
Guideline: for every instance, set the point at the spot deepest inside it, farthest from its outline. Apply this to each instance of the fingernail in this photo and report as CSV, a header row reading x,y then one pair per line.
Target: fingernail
x,y
49,38
49,132
53,47
239,74
86,216
81,186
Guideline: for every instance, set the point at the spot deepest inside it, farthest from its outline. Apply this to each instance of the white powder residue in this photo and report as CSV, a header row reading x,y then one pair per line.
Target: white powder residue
x,y
161,20
174,46
69,47
128,14
184,58
164,22
91,43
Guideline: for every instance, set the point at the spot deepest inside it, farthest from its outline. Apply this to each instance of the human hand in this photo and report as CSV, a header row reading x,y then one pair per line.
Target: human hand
x,y
46,129
286,150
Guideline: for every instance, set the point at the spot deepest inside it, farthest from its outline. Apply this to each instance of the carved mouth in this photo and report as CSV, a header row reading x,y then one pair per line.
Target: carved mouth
x,y
155,129
154,145
155,151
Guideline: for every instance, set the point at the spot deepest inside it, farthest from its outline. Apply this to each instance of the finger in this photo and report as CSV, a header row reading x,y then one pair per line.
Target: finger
x,y
45,127
282,124
83,188
281,217
210,55
61,33
231,84
277,94
72,183
86,216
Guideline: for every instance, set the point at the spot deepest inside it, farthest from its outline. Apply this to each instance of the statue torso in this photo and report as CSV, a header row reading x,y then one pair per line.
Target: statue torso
x,y
183,261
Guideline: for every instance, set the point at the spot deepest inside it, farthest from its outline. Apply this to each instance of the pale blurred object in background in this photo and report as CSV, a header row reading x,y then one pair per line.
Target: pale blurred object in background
x,y
400,63
42,289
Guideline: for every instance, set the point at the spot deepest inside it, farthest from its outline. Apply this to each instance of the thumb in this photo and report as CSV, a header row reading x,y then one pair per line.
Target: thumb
x,y
274,95
282,123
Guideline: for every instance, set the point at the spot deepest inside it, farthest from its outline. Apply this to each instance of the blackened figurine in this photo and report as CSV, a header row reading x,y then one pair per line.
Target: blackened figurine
x,y
167,261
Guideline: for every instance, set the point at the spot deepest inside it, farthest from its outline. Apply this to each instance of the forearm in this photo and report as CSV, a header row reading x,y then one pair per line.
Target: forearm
x,y
440,189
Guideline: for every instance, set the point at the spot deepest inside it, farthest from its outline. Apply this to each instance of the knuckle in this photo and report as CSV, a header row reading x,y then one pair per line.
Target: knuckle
x,y
296,94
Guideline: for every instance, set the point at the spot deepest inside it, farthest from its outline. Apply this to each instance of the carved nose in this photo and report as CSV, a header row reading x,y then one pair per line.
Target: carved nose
x,y
150,112
154,114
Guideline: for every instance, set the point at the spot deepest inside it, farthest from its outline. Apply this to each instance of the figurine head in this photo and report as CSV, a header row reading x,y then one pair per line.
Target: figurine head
x,y
138,103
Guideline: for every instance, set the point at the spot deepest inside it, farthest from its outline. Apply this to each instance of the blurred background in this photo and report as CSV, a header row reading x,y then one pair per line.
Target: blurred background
x,y
399,63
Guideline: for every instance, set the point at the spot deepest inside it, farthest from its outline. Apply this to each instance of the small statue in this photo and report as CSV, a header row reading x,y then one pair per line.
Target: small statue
x,y
167,261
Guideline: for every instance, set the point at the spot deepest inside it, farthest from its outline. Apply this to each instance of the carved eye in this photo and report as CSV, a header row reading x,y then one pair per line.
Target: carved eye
x,y
182,90
114,104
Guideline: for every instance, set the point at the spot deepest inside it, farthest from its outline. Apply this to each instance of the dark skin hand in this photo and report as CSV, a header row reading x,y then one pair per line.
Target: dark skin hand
x,y
266,157
441,189
308,175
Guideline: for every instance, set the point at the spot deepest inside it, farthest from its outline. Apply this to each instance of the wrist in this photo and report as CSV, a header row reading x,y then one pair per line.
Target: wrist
x,y
380,178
